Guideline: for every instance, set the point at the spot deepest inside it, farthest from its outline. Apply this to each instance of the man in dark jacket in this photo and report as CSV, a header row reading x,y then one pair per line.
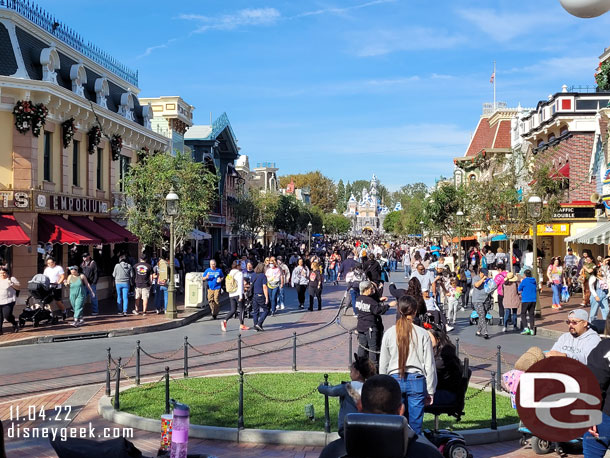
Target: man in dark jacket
x,y
345,268
370,307
597,440
89,269
372,269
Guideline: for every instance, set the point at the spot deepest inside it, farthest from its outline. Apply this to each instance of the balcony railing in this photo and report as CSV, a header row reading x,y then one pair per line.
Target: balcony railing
x,y
46,21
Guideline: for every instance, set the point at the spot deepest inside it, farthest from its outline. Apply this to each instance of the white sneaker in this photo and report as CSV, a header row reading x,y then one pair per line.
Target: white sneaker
x,y
449,328
462,309
282,307
504,329
135,312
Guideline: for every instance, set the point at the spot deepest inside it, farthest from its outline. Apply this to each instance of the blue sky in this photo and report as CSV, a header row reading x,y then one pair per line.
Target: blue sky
x,y
349,87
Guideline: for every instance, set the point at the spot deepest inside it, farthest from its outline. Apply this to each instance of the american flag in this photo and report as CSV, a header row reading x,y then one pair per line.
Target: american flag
x,y
493,77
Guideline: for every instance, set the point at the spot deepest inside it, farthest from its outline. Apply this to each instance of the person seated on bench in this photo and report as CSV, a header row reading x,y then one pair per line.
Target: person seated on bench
x,y
381,395
448,368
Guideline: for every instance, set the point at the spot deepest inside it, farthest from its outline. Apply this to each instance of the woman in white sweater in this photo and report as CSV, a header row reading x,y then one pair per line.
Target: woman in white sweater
x,y
236,297
408,356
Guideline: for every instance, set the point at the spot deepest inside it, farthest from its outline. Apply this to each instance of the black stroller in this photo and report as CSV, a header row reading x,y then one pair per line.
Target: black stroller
x,y
37,304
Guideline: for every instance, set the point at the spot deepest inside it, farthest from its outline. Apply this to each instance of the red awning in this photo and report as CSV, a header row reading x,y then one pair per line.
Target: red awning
x,y
11,232
95,229
563,172
119,230
55,229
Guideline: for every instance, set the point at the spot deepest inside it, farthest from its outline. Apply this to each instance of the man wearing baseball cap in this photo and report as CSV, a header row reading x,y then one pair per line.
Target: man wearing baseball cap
x,y
579,341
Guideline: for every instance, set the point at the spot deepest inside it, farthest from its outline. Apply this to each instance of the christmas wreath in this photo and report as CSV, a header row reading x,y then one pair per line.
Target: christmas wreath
x,y
143,153
39,118
68,130
23,116
95,137
116,145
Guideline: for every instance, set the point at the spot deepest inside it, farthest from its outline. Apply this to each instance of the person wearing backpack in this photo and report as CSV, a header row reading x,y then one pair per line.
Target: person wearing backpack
x,y
234,284
123,275
160,278
479,300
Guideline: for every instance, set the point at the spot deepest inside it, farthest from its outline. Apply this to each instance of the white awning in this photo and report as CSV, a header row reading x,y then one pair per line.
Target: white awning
x,y
196,234
598,235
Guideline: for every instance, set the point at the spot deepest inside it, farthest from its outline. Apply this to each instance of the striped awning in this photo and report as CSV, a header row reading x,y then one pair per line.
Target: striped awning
x,y
598,235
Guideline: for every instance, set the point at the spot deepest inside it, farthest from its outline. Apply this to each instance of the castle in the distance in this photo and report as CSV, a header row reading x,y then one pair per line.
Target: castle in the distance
x,y
367,215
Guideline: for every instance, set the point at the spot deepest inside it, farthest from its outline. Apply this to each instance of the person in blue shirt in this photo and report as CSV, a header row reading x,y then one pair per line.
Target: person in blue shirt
x,y
528,290
260,297
214,277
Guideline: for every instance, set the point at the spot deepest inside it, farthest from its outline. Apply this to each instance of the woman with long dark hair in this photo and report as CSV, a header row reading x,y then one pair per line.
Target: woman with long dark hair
x,y
448,367
414,290
408,356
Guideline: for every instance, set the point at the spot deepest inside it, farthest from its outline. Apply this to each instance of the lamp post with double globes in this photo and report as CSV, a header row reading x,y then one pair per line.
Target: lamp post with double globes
x,y
171,209
309,226
421,225
459,215
534,209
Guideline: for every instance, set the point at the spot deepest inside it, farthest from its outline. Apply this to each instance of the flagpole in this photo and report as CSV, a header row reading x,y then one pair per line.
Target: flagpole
x,y
494,74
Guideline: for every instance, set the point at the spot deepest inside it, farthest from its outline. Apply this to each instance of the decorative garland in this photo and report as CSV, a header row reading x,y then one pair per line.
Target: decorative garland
x,y
95,137
39,118
143,153
23,116
29,115
116,145
68,130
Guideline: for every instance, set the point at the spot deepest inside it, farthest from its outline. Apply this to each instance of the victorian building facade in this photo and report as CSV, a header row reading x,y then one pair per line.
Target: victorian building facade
x,y
70,125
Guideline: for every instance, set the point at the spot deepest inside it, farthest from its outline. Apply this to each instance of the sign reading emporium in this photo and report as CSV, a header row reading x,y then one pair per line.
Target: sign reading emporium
x,y
38,201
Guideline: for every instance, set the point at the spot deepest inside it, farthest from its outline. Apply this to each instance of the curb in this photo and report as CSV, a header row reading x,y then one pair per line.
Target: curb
x,y
550,333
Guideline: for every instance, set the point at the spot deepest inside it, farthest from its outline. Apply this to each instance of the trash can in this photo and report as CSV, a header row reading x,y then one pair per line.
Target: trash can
x,y
193,294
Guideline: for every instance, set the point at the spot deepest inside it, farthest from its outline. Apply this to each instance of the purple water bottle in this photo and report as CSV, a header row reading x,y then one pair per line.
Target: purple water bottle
x,y
180,430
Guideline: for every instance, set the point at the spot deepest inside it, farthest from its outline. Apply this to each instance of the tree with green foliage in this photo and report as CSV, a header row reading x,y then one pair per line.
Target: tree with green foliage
x,y
336,224
391,222
358,186
441,208
287,215
248,215
322,189
341,197
148,182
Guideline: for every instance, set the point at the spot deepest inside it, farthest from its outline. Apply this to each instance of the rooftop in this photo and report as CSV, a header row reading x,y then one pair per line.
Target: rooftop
x,y
52,25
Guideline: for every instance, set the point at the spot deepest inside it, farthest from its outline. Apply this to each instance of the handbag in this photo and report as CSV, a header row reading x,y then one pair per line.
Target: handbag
x,y
565,294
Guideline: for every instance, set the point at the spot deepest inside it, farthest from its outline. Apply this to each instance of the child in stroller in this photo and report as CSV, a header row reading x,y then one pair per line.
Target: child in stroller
x,y
38,303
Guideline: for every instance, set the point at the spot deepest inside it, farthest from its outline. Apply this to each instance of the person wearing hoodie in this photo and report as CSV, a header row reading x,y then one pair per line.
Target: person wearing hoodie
x,y
579,341
528,290
123,274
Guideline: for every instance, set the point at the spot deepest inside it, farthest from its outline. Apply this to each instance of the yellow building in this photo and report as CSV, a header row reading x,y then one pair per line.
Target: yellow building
x,y
70,125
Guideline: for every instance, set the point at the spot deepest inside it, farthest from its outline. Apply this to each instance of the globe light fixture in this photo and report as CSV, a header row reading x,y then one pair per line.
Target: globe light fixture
x,y
586,8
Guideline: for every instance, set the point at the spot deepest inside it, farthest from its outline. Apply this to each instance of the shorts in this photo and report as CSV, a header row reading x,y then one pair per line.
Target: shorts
x,y
143,293
57,293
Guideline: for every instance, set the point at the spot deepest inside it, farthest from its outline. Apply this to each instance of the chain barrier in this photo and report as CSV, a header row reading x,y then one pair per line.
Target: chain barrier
x,y
129,360
273,399
234,347
181,348
205,393
478,392
367,349
304,344
253,347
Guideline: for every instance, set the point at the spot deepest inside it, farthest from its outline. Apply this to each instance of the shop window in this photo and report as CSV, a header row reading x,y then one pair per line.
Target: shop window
x,y
75,163
75,254
47,155
100,169
102,257
123,169
46,250
6,258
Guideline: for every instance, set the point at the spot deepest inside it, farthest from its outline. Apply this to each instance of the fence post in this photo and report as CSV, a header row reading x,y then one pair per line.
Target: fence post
x,y
108,372
294,351
350,349
499,367
239,354
186,356
240,412
457,346
138,348
167,390
117,405
326,408
494,420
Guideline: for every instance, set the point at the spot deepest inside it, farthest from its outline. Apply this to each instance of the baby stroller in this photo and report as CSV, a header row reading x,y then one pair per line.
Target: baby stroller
x,y
37,304
543,447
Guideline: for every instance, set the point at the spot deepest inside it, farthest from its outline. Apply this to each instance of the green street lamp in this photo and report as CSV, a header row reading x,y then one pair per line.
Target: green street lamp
x,y
459,215
534,209
171,209
309,226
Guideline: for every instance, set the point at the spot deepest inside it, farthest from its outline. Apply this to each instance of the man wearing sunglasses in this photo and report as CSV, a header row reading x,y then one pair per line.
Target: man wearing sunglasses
x,y
579,341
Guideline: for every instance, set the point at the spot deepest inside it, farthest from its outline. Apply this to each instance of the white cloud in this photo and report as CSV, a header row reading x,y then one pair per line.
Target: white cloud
x,y
150,49
339,10
245,17
506,26
561,66
386,41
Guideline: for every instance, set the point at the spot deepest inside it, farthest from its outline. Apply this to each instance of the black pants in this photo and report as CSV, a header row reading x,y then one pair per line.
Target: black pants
x,y
301,293
236,306
465,296
529,309
6,311
260,309
370,340
501,307
315,293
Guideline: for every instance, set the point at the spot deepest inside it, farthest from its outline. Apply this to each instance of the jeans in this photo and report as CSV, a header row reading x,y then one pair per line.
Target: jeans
x,y
122,292
161,291
353,295
601,305
596,448
273,296
414,392
557,293
407,270
260,310
507,316
94,306
281,295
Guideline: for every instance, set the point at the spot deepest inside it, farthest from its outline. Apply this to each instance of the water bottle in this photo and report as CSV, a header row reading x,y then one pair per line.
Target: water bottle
x,y
180,430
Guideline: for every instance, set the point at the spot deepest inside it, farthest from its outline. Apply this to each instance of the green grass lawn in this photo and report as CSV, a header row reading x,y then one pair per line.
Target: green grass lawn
x,y
214,402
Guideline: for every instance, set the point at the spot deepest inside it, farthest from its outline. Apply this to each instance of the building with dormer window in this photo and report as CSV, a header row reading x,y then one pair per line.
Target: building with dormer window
x,y
70,125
